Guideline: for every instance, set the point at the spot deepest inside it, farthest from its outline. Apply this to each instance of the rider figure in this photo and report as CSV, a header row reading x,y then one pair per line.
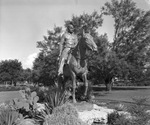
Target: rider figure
x,y
69,41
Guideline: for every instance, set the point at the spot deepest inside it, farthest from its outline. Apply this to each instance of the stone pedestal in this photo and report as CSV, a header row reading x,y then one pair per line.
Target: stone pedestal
x,y
97,114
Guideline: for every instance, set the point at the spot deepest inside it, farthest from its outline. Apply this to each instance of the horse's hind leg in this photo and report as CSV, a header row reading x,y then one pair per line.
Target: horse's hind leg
x,y
84,76
74,87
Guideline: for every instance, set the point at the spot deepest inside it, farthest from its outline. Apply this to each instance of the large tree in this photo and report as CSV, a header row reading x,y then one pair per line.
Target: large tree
x,y
132,35
92,21
46,64
105,65
51,41
10,70
27,75
45,68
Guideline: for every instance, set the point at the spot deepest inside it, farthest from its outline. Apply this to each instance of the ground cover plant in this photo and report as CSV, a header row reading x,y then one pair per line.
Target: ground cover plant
x,y
28,104
67,115
137,114
8,116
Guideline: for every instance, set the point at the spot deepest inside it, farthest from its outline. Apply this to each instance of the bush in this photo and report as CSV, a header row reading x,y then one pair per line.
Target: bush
x,y
27,105
53,97
65,109
8,116
115,118
64,115
138,112
80,92
120,107
112,117
56,96
42,92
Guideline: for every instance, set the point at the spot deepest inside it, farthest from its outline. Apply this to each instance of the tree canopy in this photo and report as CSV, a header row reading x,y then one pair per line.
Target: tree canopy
x,y
10,70
132,35
124,58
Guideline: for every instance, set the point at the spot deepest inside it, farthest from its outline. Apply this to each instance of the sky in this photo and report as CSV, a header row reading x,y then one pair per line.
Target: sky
x,y
24,22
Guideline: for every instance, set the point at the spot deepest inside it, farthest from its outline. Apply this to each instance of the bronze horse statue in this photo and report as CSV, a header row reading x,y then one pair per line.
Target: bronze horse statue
x,y
79,54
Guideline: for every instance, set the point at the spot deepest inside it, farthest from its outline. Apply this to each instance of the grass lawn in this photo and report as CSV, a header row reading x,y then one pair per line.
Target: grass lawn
x,y
111,99
9,95
124,95
101,96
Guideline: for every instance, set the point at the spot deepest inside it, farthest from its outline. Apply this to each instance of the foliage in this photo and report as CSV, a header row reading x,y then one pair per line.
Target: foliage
x,y
56,96
26,122
64,115
46,64
115,118
45,68
111,118
138,112
131,38
53,97
41,93
27,75
10,70
66,109
120,107
80,92
91,21
105,65
8,116
28,104
50,42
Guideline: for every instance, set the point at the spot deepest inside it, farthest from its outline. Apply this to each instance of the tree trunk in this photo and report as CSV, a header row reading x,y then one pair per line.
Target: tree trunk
x,y
108,87
6,84
15,83
12,83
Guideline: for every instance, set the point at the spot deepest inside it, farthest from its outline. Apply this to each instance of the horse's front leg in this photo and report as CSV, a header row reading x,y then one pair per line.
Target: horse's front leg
x,y
74,87
84,76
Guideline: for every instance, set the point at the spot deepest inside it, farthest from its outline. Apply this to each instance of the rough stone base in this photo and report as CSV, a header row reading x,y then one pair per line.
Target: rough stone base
x,y
96,114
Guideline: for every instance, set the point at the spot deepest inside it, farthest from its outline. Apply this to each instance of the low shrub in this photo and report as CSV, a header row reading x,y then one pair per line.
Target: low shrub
x,y
80,92
56,96
115,118
138,114
120,107
27,122
53,97
64,115
41,92
66,109
27,105
112,117
8,116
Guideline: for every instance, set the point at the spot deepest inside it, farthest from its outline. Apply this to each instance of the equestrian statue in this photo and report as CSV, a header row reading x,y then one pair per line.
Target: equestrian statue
x,y
72,56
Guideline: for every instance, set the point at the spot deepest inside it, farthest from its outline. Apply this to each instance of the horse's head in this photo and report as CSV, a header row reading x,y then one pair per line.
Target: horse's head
x,y
90,42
